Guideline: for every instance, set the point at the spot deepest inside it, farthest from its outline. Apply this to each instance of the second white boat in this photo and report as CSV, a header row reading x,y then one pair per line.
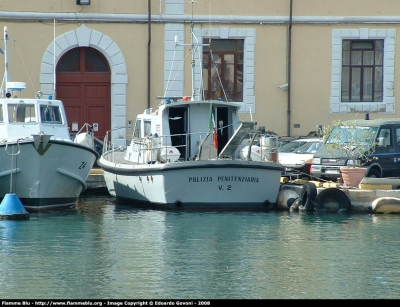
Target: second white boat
x,y
186,155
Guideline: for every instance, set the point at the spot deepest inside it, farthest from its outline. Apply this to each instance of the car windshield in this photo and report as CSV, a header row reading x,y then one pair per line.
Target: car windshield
x,y
346,135
309,147
291,146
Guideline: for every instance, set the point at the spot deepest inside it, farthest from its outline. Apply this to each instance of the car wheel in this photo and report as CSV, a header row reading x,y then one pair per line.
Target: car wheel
x,y
374,173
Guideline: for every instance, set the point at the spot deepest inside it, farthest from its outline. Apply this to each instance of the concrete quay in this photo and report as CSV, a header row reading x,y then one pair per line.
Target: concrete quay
x,y
95,180
361,200
369,199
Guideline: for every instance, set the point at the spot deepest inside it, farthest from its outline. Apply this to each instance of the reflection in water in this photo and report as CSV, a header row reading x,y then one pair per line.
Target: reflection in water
x,y
100,249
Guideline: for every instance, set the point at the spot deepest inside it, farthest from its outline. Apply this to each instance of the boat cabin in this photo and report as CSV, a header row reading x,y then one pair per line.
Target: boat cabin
x,y
18,117
180,127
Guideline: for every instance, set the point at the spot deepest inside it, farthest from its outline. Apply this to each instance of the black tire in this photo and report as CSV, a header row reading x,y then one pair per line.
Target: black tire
x,y
332,200
374,173
307,197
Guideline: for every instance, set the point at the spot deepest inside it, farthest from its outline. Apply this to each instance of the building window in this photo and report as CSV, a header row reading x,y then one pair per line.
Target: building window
x,y
366,87
172,56
362,70
82,60
223,69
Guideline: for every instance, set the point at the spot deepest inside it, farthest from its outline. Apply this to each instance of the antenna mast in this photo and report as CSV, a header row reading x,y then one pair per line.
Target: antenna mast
x,y
54,59
193,46
6,77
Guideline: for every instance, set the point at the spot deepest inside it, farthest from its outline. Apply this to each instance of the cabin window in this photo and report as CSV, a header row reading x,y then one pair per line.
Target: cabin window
x,y
386,137
136,133
50,114
398,136
22,113
1,114
223,69
362,70
147,127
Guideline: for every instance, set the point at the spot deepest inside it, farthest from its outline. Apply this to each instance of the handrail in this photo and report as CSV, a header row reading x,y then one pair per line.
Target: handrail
x,y
142,145
89,128
107,144
164,144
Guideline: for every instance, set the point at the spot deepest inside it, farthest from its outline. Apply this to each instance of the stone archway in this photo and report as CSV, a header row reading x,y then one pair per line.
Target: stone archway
x,y
85,37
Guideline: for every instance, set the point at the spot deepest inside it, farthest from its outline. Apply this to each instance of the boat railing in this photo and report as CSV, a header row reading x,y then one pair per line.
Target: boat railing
x,y
163,148
170,148
87,127
108,145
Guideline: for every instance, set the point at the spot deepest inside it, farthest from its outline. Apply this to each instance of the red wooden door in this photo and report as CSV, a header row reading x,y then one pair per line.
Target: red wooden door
x,y
83,84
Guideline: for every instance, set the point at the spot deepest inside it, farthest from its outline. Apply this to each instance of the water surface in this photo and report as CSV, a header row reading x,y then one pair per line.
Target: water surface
x,y
103,249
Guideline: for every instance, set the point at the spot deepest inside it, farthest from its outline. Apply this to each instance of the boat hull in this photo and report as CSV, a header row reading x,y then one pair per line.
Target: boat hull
x,y
45,178
202,185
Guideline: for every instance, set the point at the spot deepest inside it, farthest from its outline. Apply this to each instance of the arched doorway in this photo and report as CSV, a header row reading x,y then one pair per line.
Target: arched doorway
x,y
83,84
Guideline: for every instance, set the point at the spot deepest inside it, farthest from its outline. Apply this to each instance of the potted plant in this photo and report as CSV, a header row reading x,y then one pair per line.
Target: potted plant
x,y
353,142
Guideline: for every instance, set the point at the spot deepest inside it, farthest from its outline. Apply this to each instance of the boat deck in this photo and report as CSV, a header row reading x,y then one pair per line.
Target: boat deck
x,y
118,156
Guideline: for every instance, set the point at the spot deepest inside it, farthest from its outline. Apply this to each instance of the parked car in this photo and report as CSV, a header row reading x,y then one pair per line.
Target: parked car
x,y
298,161
287,139
315,133
381,161
292,145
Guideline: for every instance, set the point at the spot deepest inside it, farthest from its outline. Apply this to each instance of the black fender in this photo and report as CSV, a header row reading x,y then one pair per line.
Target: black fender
x,y
307,197
295,205
332,200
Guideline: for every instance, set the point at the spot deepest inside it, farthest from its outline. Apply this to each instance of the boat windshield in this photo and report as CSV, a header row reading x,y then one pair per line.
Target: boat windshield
x,y
21,113
349,135
50,114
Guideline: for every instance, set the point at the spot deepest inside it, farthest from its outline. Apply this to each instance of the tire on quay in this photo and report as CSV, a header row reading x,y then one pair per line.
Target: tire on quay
x,y
307,197
332,200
